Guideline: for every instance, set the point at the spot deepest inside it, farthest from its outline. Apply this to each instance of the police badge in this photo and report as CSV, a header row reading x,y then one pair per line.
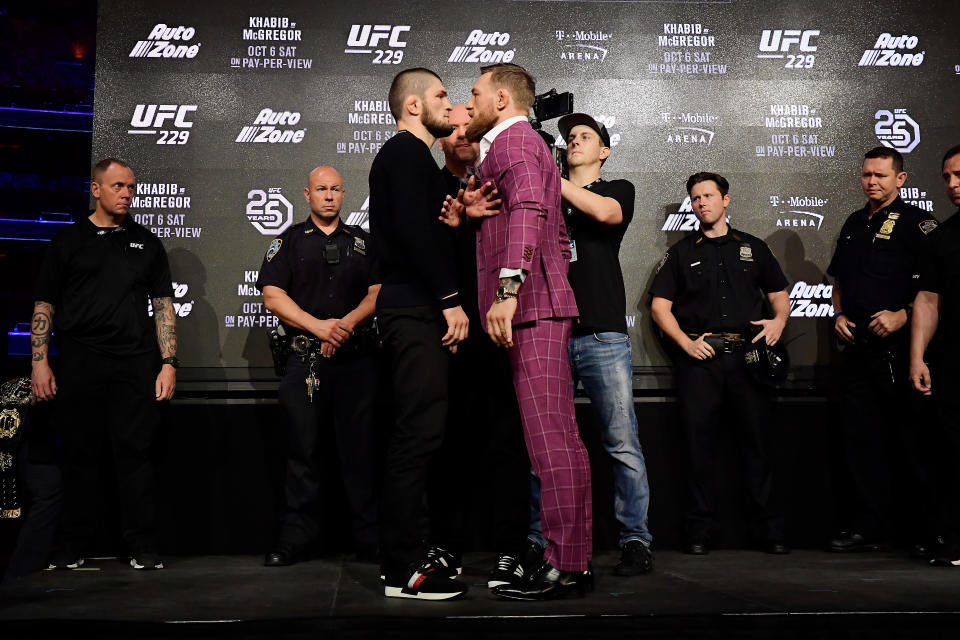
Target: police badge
x,y
887,227
15,397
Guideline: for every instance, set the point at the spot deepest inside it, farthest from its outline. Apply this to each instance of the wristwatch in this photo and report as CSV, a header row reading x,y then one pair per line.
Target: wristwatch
x,y
173,361
503,293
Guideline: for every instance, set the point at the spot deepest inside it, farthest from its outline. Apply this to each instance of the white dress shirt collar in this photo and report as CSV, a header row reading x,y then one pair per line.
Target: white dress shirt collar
x,y
487,140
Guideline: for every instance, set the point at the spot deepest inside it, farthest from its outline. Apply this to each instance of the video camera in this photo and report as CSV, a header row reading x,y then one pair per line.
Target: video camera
x,y
548,106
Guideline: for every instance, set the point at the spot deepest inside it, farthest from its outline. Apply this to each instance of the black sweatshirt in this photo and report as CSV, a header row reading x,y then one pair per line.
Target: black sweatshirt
x,y
417,265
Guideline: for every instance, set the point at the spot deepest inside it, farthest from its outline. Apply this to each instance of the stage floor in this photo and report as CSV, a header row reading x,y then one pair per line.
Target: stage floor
x,y
727,593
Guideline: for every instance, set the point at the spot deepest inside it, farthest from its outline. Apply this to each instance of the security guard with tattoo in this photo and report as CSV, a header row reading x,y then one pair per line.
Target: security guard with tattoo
x,y
709,298
875,267
320,278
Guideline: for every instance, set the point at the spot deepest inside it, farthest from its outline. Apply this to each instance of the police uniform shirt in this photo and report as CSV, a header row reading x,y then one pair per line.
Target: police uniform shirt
x,y
718,284
595,274
100,281
876,259
326,275
940,274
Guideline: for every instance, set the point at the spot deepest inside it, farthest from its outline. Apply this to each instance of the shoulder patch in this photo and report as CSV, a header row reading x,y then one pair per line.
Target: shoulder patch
x,y
927,226
274,249
666,257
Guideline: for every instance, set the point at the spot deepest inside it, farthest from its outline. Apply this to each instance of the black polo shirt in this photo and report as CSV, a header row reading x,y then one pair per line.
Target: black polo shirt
x,y
100,280
718,284
876,260
940,274
326,275
595,274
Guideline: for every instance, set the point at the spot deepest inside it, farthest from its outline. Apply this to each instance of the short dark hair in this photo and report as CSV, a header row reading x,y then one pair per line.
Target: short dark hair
x,y
886,152
952,151
705,176
409,82
514,79
101,167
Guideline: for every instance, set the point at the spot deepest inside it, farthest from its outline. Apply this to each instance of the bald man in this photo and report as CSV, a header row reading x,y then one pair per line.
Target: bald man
x,y
320,278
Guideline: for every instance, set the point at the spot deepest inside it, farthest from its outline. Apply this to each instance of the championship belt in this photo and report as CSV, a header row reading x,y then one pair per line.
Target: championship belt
x,y
15,397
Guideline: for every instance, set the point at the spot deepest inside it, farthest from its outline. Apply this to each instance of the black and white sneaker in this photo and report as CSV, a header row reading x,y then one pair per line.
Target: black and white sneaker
x,y
425,582
532,557
146,561
65,560
447,563
507,571
946,555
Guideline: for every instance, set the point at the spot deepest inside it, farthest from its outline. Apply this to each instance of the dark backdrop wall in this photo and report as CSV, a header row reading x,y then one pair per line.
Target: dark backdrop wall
x,y
223,108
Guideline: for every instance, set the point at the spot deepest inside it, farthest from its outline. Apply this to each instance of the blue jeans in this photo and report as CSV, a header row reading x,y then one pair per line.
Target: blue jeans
x,y
604,364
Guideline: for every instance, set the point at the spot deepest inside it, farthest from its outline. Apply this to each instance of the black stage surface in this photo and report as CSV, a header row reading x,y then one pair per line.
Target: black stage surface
x,y
726,594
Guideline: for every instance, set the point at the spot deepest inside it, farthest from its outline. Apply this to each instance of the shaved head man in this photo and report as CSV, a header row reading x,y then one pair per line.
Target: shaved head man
x,y
320,278
421,322
324,193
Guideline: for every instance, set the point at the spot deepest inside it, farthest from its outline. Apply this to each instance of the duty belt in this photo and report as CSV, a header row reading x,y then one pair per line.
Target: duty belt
x,y
723,341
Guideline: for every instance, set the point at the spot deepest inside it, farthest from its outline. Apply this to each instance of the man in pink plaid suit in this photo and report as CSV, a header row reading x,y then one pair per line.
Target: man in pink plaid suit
x,y
523,255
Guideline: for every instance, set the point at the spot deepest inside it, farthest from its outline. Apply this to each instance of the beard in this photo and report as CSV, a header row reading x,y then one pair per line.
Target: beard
x,y
480,123
437,127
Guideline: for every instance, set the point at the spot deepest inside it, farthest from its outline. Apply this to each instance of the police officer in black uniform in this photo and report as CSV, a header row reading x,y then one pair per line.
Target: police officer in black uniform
x,y
320,278
937,309
709,296
874,268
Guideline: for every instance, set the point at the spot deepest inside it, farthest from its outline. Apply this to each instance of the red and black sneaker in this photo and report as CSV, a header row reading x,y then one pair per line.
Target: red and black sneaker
x,y
424,582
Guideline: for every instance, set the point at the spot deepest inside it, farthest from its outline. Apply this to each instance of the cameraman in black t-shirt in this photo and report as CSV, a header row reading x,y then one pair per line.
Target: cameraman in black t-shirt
x,y
597,213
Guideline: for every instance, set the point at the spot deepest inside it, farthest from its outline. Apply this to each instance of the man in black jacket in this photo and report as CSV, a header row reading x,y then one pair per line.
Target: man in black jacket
x,y
421,322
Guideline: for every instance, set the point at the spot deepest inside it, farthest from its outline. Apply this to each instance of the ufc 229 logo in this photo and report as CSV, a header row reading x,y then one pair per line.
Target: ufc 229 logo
x,y
385,43
169,122
781,44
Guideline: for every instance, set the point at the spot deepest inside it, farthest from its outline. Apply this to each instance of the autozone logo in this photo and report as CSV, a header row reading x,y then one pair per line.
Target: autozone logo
x,y
483,47
269,211
886,52
181,307
266,128
897,130
683,220
383,41
778,44
169,122
163,43
361,218
811,300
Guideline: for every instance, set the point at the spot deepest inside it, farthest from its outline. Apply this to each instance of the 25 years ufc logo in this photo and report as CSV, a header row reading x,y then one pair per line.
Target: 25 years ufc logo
x,y
777,43
269,211
169,122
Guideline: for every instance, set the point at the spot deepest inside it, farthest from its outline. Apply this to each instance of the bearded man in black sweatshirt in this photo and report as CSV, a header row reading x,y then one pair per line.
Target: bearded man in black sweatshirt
x,y
421,323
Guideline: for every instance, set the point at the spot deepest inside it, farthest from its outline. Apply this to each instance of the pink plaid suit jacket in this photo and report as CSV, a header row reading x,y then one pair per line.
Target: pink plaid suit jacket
x,y
529,233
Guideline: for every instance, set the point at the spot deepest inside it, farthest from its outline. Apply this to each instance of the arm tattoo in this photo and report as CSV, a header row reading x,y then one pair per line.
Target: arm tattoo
x,y
166,323
41,329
